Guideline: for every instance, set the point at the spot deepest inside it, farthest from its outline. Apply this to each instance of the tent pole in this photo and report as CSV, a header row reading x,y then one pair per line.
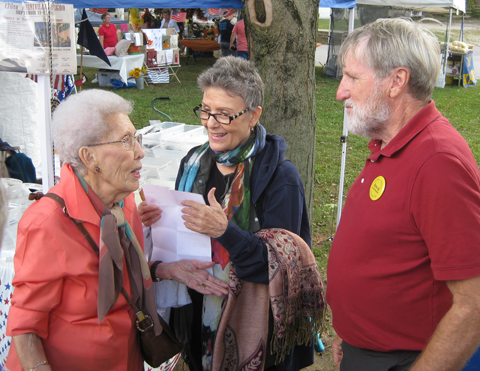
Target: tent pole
x,y
46,150
351,26
81,66
447,41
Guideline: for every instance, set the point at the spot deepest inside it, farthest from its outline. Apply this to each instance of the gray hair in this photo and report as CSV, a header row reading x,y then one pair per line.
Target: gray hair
x,y
397,42
238,77
81,120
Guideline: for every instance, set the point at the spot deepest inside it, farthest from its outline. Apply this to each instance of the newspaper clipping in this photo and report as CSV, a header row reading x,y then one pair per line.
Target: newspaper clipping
x,y
25,42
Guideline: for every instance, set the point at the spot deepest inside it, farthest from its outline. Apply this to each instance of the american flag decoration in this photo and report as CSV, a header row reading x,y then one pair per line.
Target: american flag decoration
x,y
213,11
178,16
99,10
6,292
64,84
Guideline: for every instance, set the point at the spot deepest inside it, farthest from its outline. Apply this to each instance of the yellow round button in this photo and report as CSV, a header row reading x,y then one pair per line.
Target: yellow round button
x,y
377,188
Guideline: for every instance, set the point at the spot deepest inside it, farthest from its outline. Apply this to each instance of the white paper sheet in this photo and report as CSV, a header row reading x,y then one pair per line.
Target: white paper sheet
x,y
172,241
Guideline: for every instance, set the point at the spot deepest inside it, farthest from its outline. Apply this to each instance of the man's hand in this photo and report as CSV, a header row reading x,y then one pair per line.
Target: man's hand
x,y
337,350
456,336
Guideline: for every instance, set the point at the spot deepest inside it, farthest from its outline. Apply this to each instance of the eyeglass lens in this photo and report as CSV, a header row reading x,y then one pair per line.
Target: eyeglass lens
x,y
204,115
129,141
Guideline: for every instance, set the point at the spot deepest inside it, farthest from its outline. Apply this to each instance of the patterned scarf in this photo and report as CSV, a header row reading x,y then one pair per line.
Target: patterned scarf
x,y
116,241
295,294
250,148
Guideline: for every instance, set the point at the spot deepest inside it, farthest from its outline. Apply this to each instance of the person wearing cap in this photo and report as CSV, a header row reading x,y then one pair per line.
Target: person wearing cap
x,y
404,266
18,164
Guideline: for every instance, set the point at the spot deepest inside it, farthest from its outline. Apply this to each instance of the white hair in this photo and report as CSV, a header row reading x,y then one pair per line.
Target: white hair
x,y
397,42
81,119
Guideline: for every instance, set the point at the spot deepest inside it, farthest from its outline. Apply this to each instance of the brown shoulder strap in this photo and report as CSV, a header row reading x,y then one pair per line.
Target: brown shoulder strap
x,y
78,223
94,246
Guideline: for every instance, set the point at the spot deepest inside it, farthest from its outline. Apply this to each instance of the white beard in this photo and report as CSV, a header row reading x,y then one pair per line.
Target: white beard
x,y
370,119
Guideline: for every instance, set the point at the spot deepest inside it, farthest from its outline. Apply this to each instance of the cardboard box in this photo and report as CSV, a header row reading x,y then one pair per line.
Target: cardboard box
x,y
104,77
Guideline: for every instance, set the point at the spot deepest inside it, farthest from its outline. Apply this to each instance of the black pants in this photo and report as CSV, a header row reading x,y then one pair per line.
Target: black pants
x,y
358,359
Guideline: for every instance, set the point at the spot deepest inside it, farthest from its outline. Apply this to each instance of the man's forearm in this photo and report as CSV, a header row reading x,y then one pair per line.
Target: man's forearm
x,y
454,341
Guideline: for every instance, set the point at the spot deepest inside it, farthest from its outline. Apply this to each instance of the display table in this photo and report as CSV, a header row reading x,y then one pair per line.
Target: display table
x,y
124,64
200,45
465,73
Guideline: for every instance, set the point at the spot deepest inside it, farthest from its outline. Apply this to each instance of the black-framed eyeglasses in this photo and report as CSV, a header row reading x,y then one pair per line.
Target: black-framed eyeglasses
x,y
128,142
220,117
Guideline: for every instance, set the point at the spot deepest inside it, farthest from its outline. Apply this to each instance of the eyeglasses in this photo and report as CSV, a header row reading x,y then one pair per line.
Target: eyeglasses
x,y
220,117
128,142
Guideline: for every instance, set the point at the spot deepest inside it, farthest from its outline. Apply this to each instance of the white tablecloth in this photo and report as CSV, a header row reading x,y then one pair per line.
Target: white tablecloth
x,y
124,64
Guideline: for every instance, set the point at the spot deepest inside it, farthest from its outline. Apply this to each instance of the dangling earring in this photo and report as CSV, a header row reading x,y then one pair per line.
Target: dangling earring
x,y
97,169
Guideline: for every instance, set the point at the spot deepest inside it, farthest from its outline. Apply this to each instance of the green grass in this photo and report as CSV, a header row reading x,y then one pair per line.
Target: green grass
x,y
323,24
458,104
184,96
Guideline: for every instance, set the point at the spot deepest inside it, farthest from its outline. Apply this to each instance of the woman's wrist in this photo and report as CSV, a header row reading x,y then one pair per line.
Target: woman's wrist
x,y
39,366
153,271
161,271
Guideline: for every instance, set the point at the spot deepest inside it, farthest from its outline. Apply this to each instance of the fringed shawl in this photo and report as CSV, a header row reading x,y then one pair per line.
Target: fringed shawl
x,y
295,294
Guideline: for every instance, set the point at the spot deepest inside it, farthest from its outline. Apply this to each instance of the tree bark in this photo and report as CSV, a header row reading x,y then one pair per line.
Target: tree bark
x,y
281,41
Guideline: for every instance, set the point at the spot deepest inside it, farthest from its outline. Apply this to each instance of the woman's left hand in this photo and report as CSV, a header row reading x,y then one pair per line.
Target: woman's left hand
x,y
209,220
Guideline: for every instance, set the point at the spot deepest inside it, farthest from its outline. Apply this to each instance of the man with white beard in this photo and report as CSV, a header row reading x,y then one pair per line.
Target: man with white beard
x,y
404,267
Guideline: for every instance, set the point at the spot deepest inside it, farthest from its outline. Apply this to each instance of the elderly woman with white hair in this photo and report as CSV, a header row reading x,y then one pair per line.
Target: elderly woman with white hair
x,y
66,311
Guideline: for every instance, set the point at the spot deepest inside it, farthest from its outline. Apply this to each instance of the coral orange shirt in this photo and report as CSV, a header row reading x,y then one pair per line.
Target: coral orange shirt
x,y
56,287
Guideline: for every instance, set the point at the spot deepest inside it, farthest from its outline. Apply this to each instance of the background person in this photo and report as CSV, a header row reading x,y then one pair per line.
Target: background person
x,y
238,33
18,164
404,267
107,34
70,316
248,187
225,27
167,22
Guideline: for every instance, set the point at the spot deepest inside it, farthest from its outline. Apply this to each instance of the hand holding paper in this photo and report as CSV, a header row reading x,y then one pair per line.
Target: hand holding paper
x,y
208,220
172,241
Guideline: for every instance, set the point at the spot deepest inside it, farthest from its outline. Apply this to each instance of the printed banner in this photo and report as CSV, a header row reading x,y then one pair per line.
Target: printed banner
x,y
468,71
25,40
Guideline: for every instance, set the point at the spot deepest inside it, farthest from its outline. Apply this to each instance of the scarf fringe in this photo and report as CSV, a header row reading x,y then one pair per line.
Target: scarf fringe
x,y
300,330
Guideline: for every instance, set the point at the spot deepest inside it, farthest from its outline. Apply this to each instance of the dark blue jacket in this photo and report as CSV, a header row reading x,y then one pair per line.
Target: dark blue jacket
x,y
278,196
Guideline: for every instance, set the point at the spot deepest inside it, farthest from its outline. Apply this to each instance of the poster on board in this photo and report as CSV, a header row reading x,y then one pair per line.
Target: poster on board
x,y
25,43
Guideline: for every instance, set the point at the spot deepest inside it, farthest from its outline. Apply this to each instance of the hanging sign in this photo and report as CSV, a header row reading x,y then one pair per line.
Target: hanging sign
x,y
468,71
26,43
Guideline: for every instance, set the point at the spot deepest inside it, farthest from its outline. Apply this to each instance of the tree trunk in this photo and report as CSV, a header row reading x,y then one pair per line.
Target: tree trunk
x,y
282,40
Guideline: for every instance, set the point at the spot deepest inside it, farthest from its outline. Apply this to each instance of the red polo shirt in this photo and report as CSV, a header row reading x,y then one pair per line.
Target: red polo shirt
x,y
390,257
109,35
